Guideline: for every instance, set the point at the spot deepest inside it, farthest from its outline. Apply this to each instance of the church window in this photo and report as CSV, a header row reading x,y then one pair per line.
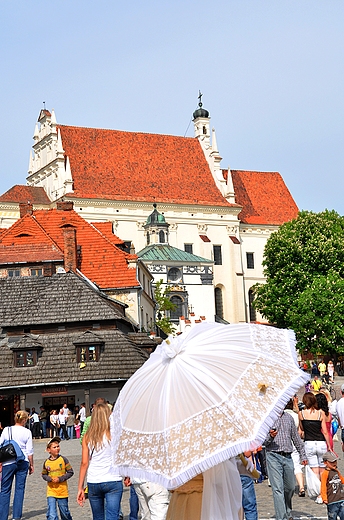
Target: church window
x,y
25,358
204,130
148,239
218,302
250,260
188,248
174,275
217,255
179,308
162,237
253,316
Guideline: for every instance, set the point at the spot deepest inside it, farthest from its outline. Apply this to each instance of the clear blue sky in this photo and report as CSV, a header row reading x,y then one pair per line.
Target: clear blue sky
x,y
271,71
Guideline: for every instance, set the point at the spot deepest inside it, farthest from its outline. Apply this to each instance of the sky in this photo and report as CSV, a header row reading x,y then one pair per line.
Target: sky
x,y
271,73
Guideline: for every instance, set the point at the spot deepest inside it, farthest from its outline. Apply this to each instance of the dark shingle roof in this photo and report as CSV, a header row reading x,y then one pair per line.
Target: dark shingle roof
x,y
60,298
57,363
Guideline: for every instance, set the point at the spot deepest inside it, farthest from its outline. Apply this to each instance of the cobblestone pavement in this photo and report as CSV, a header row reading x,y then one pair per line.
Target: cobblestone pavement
x,y
35,498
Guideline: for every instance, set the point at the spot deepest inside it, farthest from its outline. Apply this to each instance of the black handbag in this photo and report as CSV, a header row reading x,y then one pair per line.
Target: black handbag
x,y
7,451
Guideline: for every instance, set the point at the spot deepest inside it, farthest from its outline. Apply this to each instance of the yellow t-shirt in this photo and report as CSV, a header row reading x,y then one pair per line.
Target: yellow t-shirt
x,y
316,384
59,467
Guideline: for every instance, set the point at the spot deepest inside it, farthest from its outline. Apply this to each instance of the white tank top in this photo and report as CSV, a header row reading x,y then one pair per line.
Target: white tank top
x,y
101,467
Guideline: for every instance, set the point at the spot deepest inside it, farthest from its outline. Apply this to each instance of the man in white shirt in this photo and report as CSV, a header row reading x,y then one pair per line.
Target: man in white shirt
x,y
82,414
340,413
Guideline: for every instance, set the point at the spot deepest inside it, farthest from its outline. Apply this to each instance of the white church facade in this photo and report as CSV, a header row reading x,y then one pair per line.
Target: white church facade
x,y
221,215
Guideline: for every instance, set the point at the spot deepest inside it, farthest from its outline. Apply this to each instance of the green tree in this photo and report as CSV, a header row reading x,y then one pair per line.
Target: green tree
x,y
304,290
164,304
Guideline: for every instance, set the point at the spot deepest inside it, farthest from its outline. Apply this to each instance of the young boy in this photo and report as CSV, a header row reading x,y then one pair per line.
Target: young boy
x,y
56,471
332,490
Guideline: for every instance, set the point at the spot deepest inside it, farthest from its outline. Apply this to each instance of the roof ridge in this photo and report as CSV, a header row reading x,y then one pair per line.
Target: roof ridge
x,y
124,131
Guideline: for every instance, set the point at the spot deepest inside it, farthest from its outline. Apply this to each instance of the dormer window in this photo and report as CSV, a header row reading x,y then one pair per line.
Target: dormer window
x,y
25,358
87,353
36,272
13,273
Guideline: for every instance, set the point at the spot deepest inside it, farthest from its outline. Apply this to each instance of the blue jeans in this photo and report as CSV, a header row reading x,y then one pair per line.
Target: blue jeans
x,y
134,504
249,501
19,471
70,431
63,508
282,480
44,428
334,510
105,499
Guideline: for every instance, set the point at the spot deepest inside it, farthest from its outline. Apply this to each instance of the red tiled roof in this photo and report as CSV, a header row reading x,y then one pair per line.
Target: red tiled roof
x,y
23,254
111,164
106,229
22,193
264,197
101,261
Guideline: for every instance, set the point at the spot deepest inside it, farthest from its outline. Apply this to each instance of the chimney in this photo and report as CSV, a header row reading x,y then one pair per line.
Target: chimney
x,y
64,205
25,208
70,250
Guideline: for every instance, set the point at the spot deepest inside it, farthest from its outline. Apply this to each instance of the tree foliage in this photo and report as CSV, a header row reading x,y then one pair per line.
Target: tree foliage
x,y
164,305
304,290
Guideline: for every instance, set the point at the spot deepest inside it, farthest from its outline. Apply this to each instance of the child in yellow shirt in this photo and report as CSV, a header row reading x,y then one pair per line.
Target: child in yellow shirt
x,y
56,471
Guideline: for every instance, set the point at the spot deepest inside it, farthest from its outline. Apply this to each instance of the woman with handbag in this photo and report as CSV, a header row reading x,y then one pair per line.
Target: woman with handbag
x,y
16,469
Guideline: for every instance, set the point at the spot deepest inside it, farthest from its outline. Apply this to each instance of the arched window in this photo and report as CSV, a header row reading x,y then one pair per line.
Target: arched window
x,y
253,315
178,311
218,302
148,239
162,236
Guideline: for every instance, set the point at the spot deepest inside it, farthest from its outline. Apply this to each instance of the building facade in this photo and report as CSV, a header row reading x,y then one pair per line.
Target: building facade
x,y
222,215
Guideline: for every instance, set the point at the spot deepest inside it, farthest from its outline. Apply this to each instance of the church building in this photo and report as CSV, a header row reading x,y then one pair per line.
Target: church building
x,y
221,216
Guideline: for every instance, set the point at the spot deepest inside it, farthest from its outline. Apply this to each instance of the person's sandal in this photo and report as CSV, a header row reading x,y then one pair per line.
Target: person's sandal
x,y
302,493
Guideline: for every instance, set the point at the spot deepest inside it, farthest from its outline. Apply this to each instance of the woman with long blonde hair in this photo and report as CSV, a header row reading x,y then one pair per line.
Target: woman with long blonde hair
x,y
105,486
17,469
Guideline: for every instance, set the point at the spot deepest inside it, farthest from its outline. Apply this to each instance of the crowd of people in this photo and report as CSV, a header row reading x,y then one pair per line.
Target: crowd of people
x,y
302,435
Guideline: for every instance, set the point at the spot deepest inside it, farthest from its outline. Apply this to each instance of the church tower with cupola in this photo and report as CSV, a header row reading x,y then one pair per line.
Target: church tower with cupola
x,y
156,228
201,120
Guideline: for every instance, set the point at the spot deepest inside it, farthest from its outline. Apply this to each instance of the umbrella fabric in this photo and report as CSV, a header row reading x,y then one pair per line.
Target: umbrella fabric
x,y
202,398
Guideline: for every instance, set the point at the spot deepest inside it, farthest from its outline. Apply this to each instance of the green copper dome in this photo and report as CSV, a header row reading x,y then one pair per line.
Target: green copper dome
x,y
155,218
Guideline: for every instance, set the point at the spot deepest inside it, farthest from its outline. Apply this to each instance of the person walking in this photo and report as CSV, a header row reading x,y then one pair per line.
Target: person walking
x,y
62,423
105,486
290,406
54,423
16,469
323,405
316,437
332,489
70,424
43,416
279,447
56,471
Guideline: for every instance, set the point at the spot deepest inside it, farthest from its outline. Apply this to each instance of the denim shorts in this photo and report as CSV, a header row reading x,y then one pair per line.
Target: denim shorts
x,y
315,451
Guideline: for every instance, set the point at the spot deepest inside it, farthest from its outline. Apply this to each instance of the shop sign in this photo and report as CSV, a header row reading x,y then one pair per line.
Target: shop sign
x,y
54,390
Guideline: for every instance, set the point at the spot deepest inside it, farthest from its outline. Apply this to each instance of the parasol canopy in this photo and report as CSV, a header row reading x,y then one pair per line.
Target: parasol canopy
x,y
201,398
